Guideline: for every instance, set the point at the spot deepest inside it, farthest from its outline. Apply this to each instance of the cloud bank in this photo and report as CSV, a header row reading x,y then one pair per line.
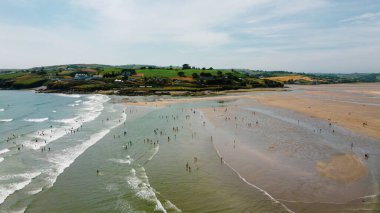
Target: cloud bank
x,y
294,35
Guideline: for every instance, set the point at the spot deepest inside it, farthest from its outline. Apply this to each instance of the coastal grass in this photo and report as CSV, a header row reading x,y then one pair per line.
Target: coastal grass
x,y
173,73
29,80
8,76
286,78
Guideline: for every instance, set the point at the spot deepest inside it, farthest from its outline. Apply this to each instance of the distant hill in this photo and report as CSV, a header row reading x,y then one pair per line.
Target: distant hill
x,y
137,78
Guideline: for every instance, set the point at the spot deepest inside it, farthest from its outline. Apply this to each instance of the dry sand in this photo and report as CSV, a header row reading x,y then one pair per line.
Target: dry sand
x,y
342,105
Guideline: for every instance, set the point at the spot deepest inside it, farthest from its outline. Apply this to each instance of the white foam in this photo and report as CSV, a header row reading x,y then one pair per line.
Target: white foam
x,y
86,115
78,101
54,111
170,206
67,156
68,120
69,95
140,184
50,135
4,151
18,176
60,161
8,189
2,110
1,160
36,191
155,151
6,120
122,161
133,172
36,120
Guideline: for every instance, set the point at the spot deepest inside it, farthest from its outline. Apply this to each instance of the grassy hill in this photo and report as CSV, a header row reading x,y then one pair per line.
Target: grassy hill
x,y
137,79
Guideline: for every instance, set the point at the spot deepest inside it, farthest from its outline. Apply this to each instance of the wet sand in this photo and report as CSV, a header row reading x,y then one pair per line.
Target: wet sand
x,y
296,146
344,168
295,163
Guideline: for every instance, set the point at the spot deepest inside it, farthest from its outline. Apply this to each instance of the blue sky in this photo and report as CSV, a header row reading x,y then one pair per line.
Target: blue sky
x,y
293,35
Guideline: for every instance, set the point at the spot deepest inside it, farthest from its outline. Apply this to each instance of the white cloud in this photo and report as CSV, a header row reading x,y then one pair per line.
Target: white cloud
x,y
280,9
363,18
264,34
177,21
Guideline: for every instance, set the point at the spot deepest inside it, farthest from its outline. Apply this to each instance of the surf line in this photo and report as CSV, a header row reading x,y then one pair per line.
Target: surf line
x,y
254,186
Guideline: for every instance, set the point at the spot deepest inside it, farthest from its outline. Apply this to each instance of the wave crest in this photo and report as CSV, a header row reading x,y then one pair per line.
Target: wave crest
x,y
36,120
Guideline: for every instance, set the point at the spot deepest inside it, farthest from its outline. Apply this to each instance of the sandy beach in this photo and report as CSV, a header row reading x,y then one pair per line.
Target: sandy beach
x,y
305,147
344,105
352,106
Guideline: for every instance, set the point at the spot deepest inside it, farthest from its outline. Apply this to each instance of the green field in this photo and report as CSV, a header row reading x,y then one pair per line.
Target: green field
x,y
109,70
10,75
162,73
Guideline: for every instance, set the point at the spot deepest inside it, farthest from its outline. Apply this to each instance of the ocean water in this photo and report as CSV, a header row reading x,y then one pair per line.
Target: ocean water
x,y
52,145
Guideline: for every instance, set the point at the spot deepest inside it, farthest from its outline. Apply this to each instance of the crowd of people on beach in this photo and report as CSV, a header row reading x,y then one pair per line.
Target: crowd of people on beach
x,y
172,125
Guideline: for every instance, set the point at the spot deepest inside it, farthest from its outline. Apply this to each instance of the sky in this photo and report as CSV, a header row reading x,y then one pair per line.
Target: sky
x,y
294,35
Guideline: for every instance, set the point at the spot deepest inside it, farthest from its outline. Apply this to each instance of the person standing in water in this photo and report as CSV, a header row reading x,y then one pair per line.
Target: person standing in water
x,y
97,172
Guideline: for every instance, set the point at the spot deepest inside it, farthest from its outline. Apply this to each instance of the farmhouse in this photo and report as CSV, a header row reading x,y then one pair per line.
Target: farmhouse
x,y
80,76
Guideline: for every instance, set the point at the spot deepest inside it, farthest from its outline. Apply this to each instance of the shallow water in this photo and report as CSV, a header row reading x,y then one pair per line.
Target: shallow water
x,y
143,178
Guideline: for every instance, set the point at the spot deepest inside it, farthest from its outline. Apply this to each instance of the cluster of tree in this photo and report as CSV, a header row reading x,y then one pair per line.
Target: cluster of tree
x,y
188,67
181,74
149,67
111,74
346,78
6,83
157,81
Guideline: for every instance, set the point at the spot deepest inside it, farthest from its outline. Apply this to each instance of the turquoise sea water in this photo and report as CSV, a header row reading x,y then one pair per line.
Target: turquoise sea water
x,y
41,135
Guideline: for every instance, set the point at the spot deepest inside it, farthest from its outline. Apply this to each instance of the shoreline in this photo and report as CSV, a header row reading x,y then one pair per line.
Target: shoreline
x,y
364,123
331,168
291,165
251,184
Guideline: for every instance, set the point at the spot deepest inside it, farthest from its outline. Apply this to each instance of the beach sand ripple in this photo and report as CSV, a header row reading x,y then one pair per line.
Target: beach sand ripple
x,y
344,168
